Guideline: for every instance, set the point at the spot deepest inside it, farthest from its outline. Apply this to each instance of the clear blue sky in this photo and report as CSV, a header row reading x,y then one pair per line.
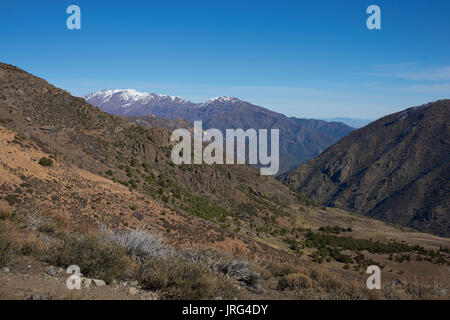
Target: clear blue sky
x,y
311,59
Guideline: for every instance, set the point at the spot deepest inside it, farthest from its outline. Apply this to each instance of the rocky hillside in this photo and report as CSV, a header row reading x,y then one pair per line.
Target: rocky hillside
x,y
66,167
300,139
396,169
153,121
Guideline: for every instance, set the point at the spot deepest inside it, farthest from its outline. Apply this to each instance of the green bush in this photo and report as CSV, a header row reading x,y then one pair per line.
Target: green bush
x,y
45,162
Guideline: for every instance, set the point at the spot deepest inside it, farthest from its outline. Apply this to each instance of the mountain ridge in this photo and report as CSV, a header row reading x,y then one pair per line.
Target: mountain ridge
x,y
396,169
300,139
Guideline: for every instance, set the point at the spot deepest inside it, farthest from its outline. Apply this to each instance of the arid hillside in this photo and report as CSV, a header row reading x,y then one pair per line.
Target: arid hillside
x,y
79,167
396,169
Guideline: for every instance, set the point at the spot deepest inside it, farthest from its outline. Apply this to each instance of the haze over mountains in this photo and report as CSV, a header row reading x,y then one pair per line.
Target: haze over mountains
x,y
300,139
396,169
352,122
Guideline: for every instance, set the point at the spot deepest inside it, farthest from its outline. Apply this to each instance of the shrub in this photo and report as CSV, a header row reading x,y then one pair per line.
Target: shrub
x,y
45,162
5,247
294,281
36,220
5,215
138,244
95,258
281,269
236,269
326,281
178,279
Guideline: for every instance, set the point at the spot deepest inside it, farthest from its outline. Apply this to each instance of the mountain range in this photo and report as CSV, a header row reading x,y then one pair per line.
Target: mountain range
x,y
396,169
76,166
300,139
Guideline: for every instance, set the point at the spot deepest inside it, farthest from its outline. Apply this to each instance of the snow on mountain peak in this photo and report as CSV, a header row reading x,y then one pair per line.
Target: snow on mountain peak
x,y
132,96
222,99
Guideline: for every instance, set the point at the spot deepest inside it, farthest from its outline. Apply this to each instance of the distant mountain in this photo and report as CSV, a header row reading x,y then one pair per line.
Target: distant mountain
x,y
352,122
300,139
396,169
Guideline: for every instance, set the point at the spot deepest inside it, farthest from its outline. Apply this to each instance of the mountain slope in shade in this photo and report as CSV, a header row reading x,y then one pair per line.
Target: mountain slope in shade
x,y
396,169
300,139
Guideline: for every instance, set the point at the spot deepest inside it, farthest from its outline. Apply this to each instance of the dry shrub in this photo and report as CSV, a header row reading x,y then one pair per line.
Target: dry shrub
x,y
5,246
426,292
181,280
281,269
139,244
35,220
6,215
326,281
30,245
96,258
230,267
294,281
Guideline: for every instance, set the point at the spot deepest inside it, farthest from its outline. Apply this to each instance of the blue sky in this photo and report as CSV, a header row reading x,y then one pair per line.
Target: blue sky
x,y
314,59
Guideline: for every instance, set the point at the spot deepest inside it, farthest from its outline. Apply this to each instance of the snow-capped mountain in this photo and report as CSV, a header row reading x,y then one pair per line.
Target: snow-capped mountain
x,y
300,139
131,102
220,100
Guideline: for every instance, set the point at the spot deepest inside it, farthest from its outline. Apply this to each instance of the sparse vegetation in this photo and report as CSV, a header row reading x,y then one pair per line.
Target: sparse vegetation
x,y
181,273
138,244
5,246
178,279
96,258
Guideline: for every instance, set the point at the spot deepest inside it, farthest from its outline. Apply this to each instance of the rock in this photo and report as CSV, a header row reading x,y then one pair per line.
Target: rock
x,y
152,296
256,288
99,283
132,291
5,270
442,292
50,271
86,282
47,128
398,282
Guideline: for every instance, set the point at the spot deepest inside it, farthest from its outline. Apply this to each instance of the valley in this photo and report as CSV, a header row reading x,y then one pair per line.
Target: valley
x,y
104,170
